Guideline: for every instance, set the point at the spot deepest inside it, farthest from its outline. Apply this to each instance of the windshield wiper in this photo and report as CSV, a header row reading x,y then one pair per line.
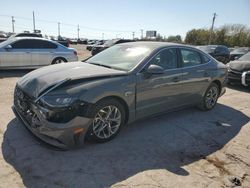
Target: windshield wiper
x,y
98,64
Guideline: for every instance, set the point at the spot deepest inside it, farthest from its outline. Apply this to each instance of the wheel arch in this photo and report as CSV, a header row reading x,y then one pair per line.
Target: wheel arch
x,y
120,100
59,57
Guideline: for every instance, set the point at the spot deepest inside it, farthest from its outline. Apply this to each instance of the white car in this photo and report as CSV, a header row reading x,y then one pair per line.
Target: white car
x,y
33,52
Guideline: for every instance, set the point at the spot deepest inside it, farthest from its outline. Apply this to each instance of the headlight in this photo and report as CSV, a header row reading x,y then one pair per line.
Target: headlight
x,y
58,101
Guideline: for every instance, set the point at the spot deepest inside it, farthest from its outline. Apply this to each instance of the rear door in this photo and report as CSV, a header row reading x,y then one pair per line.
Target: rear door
x,y
159,92
18,55
196,75
42,52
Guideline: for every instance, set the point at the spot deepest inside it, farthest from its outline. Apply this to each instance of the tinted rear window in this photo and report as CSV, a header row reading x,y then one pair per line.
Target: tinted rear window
x,y
34,44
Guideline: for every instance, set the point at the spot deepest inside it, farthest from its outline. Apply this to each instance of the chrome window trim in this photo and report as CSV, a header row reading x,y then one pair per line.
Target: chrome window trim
x,y
180,68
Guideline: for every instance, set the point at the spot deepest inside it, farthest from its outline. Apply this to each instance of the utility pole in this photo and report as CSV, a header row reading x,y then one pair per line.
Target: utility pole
x,y
141,33
133,35
59,32
13,24
78,29
212,28
34,22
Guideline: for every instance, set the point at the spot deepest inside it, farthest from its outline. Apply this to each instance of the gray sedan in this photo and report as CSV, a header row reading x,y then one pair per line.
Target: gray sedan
x,y
64,104
33,52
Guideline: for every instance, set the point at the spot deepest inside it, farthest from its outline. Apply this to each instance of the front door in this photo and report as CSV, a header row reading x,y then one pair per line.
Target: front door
x,y
159,92
18,55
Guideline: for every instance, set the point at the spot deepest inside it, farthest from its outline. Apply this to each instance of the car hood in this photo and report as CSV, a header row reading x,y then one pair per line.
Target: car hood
x,y
240,65
37,81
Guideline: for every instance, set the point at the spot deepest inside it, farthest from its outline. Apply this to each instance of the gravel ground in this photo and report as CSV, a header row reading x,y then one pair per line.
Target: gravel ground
x,y
188,148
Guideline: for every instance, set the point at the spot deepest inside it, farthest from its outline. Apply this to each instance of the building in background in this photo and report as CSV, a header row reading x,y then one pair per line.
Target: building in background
x,y
151,34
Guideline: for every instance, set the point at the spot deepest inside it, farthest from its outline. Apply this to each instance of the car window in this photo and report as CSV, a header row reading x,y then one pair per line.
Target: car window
x,y
48,45
221,49
190,58
34,44
22,44
39,44
205,58
167,59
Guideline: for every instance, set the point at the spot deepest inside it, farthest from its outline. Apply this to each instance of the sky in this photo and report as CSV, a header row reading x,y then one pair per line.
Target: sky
x,y
120,18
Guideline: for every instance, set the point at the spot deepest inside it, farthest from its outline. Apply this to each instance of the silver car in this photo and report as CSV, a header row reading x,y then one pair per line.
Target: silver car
x,y
33,52
62,104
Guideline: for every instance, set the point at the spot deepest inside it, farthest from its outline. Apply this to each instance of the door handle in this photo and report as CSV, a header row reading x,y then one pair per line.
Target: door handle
x,y
176,79
27,52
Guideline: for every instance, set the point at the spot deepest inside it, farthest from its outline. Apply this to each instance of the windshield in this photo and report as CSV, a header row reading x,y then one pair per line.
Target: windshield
x,y
245,57
123,57
6,42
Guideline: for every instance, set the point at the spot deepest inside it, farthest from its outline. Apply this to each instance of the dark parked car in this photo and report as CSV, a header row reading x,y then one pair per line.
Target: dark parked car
x,y
239,70
238,52
64,104
98,48
73,41
219,52
82,41
90,44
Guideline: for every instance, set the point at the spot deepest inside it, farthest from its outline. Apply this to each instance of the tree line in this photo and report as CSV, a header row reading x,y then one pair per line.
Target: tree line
x,y
229,35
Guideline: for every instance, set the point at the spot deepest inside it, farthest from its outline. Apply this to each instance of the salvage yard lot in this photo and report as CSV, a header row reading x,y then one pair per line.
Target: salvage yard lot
x,y
188,148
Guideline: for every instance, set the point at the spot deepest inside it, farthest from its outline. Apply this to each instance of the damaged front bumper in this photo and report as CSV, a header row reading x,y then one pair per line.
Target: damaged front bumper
x,y
63,135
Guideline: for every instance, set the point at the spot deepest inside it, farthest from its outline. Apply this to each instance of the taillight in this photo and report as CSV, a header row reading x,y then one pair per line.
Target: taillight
x,y
75,52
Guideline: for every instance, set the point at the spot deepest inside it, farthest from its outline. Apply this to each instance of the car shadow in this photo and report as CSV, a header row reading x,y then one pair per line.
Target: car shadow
x,y
169,142
13,73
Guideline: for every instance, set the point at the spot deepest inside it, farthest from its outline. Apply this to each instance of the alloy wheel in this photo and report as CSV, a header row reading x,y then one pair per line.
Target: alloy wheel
x,y
107,122
211,97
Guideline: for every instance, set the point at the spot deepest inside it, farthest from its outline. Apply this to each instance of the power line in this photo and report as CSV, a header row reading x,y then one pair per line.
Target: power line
x,y
67,24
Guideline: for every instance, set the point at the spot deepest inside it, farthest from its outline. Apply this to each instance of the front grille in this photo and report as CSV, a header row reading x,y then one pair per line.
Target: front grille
x,y
23,105
233,74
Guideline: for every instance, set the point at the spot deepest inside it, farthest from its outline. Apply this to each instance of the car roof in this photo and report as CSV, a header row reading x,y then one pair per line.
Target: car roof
x,y
38,38
155,45
29,38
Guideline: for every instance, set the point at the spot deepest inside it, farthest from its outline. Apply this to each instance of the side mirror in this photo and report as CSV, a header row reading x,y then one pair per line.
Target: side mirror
x,y
8,47
155,69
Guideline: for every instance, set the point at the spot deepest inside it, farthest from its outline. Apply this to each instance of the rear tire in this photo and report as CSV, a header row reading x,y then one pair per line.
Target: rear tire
x,y
210,98
58,60
109,117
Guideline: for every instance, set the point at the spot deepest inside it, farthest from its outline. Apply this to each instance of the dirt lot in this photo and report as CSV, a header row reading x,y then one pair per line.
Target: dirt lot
x,y
81,51
188,148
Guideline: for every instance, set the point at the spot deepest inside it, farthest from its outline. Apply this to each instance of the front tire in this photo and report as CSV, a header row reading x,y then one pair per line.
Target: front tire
x,y
109,117
210,98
